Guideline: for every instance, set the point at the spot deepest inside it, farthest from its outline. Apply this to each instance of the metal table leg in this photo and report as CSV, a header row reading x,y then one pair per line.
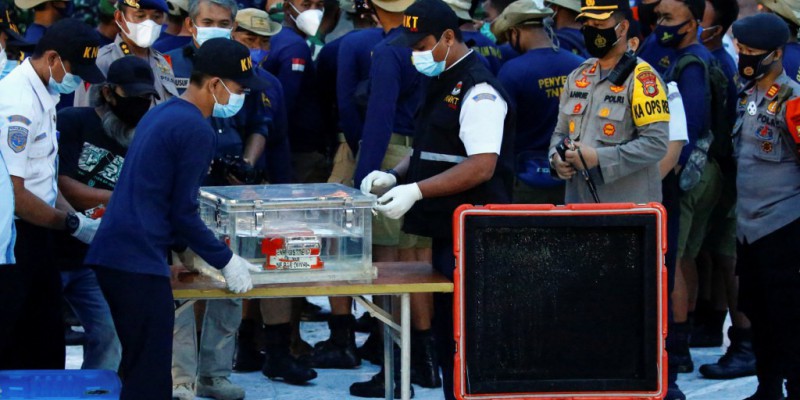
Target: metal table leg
x,y
388,354
405,346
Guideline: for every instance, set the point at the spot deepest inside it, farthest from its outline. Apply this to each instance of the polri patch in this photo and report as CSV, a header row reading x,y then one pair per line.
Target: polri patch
x,y
764,133
649,82
609,129
17,138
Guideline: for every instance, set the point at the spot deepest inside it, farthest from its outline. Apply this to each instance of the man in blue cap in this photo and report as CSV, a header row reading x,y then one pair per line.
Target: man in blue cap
x,y
31,335
140,25
767,149
155,204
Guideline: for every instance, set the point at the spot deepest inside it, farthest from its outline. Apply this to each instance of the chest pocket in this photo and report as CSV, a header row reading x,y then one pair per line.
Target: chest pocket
x,y
768,143
613,129
574,109
41,146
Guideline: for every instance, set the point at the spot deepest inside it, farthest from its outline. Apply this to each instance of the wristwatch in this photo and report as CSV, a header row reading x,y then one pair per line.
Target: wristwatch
x,y
71,223
391,171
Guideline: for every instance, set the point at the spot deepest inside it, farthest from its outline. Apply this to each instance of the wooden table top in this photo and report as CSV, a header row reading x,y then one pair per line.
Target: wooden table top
x,y
393,278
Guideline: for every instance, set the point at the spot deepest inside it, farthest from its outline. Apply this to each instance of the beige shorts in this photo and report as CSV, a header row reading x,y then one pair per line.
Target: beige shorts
x,y
344,165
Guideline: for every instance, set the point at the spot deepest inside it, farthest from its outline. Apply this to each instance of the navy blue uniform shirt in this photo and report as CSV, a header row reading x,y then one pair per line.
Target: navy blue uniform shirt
x,y
484,47
395,94
693,86
571,39
167,42
507,52
731,72
352,80
290,61
155,199
791,61
534,82
34,32
656,55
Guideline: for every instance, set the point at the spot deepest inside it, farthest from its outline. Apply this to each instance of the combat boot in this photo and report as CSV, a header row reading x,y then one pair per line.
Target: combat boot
x,y
339,351
424,361
680,359
738,361
375,387
278,362
769,388
248,356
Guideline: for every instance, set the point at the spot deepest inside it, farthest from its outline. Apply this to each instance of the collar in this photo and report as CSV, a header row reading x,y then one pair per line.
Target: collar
x,y
459,60
47,98
124,48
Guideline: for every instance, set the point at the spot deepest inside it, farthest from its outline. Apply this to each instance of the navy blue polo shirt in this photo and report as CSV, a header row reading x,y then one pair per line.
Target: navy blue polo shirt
x,y
655,54
352,80
534,82
155,199
571,39
290,61
484,47
693,86
395,94
791,61
507,52
167,42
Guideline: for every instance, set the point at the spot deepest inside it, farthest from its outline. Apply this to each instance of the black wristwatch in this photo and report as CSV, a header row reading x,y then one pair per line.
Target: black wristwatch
x,y
393,172
71,223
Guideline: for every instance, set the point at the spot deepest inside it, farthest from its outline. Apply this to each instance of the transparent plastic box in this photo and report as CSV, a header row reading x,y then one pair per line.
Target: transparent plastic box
x,y
297,232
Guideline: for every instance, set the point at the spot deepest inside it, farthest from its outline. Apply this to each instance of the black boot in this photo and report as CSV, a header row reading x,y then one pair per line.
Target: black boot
x,y
738,361
248,356
680,359
375,386
673,391
709,333
365,323
312,312
424,361
769,388
278,362
340,350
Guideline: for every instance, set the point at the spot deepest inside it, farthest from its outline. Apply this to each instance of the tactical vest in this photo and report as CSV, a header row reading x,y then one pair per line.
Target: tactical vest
x,y
437,148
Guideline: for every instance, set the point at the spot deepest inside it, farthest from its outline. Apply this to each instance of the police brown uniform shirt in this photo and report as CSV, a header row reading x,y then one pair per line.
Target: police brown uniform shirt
x,y
627,124
165,79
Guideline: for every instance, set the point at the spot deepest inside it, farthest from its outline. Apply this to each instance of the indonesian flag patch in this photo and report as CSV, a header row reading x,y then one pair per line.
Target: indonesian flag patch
x,y
298,64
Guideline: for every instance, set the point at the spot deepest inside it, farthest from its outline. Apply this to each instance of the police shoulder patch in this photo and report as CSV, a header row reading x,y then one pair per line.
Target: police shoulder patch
x,y
649,98
17,138
19,118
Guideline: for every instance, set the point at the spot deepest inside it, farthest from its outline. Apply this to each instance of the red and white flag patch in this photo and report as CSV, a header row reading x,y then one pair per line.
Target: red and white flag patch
x,y
298,64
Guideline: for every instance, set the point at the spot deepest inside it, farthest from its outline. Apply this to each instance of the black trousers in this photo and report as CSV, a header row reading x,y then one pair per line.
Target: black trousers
x,y
444,262
144,315
31,324
769,294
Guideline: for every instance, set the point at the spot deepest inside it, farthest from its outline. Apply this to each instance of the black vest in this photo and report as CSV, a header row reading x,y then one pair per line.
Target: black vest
x,y
438,148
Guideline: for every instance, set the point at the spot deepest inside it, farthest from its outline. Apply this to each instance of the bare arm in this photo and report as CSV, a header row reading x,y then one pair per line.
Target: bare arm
x,y
670,161
81,195
34,210
254,148
473,171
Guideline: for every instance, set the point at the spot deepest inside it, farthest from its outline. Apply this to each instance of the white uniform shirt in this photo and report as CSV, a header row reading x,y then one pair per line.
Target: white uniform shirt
x,y
8,233
482,120
677,115
28,136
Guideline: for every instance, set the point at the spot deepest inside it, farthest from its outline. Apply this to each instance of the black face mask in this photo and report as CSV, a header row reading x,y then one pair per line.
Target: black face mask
x,y
130,109
599,41
752,67
668,36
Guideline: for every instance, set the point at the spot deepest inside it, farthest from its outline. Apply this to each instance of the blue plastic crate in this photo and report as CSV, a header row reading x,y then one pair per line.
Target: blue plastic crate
x,y
59,384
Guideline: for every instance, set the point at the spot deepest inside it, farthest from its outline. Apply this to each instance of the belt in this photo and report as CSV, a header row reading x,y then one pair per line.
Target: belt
x,y
401,140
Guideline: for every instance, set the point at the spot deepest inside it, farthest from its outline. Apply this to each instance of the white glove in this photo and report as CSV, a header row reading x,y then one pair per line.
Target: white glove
x,y
187,259
378,180
396,202
87,227
237,274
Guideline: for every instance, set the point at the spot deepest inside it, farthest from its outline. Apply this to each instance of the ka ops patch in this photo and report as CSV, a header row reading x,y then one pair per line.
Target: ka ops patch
x,y
17,138
649,98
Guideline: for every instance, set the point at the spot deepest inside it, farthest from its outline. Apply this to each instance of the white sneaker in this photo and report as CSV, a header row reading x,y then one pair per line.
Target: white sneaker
x,y
219,388
184,391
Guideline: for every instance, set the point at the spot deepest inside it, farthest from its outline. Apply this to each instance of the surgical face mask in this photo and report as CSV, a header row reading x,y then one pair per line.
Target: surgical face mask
x,y
599,41
424,63
307,21
235,103
205,33
9,66
67,85
486,30
669,36
143,34
752,67
258,55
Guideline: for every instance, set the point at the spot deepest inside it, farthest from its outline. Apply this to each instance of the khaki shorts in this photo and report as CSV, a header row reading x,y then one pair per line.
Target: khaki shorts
x,y
526,194
696,207
721,236
344,164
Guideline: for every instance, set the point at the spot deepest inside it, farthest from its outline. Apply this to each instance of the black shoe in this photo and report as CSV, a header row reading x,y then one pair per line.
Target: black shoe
x,y
365,323
372,350
768,389
340,350
424,361
680,359
312,312
74,338
278,362
738,361
709,332
248,357
376,388
674,392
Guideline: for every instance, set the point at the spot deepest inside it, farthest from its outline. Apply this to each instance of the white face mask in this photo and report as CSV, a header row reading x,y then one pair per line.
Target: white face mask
x,y
308,21
144,34
210,32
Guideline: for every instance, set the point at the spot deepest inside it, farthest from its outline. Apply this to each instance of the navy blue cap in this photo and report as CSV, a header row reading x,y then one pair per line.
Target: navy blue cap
x,y
426,17
8,26
160,5
228,59
134,75
763,31
76,42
